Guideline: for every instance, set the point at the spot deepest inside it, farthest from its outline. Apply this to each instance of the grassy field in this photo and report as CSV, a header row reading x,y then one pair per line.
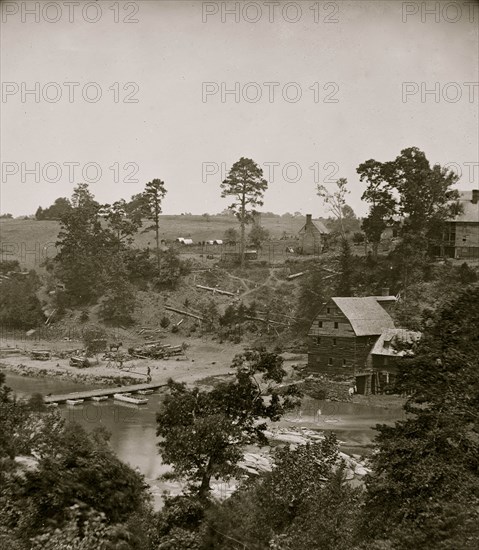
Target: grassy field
x,y
31,241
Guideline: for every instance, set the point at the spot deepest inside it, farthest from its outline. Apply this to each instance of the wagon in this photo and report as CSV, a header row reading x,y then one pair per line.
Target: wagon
x,y
79,362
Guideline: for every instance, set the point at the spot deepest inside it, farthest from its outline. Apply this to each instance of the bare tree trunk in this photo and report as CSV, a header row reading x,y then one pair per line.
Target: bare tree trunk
x,y
343,234
157,238
242,242
204,487
205,481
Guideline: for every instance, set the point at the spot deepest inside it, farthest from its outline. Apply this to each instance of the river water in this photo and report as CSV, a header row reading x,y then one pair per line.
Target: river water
x,y
133,428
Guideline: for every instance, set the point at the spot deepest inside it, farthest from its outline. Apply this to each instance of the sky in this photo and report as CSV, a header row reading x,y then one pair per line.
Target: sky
x,y
315,89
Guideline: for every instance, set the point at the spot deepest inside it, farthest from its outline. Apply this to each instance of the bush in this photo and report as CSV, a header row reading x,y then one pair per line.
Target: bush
x,y
84,316
164,322
19,305
358,237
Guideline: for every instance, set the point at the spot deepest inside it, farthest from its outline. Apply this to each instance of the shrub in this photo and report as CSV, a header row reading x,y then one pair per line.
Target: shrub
x,y
164,322
84,316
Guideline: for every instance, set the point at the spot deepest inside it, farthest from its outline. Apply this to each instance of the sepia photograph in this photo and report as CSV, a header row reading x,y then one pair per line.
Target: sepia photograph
x,y
239,275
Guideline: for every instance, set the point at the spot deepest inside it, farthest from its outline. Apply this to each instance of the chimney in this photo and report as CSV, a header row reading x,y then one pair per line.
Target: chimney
x,y
475,196
308,219
385,291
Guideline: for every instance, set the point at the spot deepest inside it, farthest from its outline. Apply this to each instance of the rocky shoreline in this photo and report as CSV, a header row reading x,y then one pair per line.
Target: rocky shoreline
x,y
81,378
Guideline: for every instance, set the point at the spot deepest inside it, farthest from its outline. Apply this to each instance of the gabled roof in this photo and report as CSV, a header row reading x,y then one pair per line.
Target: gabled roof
x,y
319,225
471,210
385,298
366,316
403,338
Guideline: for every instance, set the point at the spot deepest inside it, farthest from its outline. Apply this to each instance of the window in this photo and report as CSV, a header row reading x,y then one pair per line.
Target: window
x,y
330,362
344,362
329,310
320,324
334,341
318,340
336,325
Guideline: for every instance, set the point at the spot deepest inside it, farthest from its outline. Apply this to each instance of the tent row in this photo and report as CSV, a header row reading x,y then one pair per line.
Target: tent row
x,y
186,241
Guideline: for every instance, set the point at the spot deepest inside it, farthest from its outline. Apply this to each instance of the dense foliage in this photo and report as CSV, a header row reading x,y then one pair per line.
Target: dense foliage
x,y
410,189
97,260
56,211
62,487
424,492
303,503
19,304
203,432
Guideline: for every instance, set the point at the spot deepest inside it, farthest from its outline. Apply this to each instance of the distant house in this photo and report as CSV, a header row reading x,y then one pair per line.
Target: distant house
x,y
382,363
344,332
311,236
461,235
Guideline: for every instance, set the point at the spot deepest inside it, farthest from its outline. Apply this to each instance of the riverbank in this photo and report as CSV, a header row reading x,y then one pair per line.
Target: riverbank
x,y
203,360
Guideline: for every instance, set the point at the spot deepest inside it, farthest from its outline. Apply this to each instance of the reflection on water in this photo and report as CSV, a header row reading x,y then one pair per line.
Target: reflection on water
x,y
351,415
352,422
132,428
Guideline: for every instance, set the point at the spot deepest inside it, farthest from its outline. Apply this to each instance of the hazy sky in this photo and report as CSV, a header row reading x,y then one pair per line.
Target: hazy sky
x,y
348,60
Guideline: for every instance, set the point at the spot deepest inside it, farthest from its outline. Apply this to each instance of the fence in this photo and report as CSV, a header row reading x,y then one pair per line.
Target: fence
x,y
8,333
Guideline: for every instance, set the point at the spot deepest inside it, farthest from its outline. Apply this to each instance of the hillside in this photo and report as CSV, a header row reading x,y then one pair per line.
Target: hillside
x,y
31,241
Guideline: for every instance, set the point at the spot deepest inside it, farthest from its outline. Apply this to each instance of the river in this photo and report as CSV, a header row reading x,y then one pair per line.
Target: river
x,y
133,429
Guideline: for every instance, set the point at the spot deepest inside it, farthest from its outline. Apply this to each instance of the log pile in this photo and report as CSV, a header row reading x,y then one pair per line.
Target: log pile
x,y
155,350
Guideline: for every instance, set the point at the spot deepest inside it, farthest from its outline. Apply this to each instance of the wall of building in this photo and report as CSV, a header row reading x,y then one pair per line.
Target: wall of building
x,y
339,354
467,240
311,240
324,323
385,363
332,337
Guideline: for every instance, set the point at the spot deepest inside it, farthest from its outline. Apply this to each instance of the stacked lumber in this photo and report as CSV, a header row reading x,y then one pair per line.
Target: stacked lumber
x,y
155,350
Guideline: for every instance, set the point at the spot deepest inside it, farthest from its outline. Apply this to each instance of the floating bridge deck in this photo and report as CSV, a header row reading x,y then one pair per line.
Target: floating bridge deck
x,y
62,398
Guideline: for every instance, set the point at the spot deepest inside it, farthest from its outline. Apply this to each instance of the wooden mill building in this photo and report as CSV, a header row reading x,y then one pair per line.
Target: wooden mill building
x,y
392,346
344,332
